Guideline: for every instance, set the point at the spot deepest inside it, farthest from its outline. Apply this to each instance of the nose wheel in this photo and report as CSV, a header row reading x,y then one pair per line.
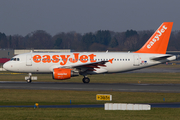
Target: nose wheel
x,y
86,80
29,80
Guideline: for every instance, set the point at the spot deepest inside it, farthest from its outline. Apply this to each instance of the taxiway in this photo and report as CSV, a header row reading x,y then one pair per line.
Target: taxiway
x,y
91,86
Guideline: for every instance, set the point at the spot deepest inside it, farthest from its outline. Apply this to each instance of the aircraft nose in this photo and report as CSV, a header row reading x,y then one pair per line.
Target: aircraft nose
x,y
6,66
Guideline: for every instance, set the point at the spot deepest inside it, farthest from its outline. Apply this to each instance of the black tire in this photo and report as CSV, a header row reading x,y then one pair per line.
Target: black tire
x,y
29,80
86,80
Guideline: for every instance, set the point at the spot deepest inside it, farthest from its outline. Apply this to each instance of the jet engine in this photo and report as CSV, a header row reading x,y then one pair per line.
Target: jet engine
x,y
63,73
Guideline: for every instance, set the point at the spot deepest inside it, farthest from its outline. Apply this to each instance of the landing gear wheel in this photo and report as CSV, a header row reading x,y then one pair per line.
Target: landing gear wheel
x,y
86,80
29,80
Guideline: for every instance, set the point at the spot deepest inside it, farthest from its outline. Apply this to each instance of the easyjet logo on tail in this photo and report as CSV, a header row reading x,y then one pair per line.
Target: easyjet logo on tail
x,y
156,38
158,42
64,58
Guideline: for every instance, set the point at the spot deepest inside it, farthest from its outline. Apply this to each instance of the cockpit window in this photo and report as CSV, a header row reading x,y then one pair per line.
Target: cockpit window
x,y
15,59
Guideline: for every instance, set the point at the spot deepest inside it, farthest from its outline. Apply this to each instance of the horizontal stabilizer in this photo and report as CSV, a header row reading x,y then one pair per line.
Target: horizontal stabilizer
x,y
161,57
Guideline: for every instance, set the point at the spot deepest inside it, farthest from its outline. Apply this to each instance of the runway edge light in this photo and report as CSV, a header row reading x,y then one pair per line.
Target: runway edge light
x,y
36,105
104,97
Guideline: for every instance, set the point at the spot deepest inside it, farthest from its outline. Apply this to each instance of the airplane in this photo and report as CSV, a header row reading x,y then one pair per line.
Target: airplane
x,y
66,65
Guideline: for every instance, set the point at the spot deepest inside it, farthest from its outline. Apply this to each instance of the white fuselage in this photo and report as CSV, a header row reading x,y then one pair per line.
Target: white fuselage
x,y
46,62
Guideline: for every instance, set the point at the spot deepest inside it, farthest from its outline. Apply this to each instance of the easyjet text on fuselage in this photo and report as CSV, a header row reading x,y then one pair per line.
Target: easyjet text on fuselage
x,y
65,58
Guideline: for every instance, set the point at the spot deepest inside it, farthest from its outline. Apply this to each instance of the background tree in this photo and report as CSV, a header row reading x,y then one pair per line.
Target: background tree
x,y
87,40
57,43
39,40
101,40
113,43
131,40
17,42
3,40
103,37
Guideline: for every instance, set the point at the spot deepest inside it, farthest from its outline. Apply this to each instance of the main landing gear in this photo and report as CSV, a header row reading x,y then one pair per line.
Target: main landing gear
x,y
86,79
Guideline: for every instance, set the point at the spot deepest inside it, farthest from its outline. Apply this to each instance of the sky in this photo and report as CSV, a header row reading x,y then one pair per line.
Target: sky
x,y
83,16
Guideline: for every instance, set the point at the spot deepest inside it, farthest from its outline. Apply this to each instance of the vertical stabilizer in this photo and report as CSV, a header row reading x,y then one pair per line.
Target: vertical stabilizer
x,y
158,42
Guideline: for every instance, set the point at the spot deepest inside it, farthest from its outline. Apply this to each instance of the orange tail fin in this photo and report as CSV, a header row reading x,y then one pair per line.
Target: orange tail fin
x,y
159,40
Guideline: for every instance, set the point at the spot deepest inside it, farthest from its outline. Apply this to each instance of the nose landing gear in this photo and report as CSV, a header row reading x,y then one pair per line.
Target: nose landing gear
x,y
30,78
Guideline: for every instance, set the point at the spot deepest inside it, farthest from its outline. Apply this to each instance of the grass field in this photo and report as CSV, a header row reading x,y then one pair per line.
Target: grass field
x,y
63,97
60,97
87,114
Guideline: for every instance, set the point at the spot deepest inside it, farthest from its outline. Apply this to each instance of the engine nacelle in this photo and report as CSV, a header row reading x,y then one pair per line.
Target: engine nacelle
x,y
63,73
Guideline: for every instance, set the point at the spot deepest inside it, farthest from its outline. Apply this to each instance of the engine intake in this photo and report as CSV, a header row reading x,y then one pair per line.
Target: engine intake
x,y
63,73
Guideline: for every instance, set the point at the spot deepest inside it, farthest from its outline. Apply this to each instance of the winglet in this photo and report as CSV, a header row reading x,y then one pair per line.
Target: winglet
x,y
111,60
158,42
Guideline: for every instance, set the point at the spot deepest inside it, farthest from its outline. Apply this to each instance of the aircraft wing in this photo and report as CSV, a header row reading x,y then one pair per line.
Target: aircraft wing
x,y
89,67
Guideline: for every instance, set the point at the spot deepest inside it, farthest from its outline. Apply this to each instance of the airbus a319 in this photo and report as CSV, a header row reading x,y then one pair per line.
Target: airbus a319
x,y
66,65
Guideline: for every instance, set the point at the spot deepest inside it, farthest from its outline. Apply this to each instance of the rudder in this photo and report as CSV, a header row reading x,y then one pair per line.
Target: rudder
x,y
158,42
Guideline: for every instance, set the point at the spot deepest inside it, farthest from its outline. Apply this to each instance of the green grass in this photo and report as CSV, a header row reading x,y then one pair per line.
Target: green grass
x,y
62,97
87,114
